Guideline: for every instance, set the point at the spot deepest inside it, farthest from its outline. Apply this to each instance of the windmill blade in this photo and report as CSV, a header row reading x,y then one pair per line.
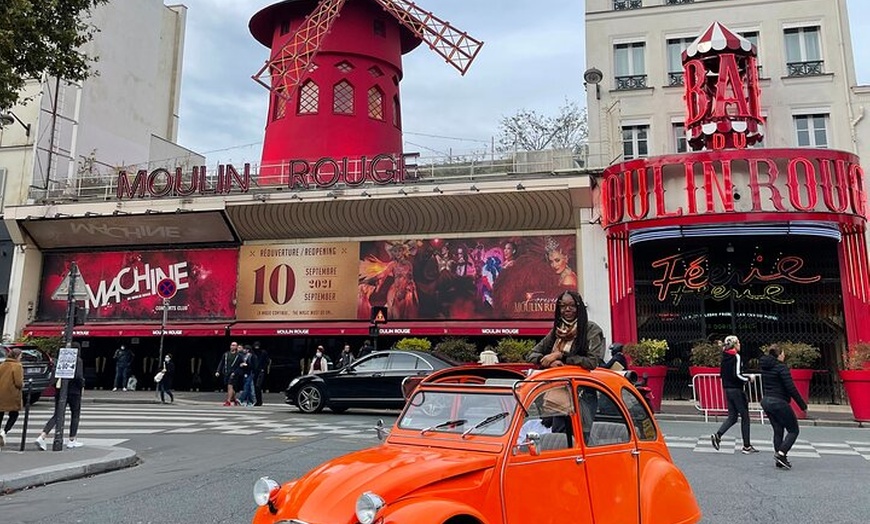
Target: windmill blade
x,y
286,69
457,47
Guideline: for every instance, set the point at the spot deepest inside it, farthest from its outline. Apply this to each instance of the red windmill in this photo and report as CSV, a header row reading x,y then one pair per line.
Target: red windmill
x,y
335,69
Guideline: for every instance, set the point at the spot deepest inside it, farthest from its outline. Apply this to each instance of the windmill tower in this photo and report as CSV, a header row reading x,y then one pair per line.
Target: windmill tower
x,y
334,73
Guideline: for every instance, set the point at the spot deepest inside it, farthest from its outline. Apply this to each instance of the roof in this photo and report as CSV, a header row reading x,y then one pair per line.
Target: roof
x,y
717,37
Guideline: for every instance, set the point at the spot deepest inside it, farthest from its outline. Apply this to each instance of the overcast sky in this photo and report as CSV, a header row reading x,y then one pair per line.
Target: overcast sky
x,y
533,58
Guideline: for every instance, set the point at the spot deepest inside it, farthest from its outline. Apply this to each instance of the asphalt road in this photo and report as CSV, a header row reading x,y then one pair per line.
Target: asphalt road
x,y
207,477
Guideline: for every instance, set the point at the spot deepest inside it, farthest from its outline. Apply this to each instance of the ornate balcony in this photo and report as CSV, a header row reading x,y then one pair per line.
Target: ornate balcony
x,y
626,83
811,68
621,5
675,79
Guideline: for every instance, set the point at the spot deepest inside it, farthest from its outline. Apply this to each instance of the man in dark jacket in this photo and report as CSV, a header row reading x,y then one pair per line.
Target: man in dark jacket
x,y
123,362
779,389
733,382
262,357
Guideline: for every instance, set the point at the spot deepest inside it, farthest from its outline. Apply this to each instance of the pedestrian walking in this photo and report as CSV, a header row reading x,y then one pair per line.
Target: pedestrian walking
x,y
74,391
263,364
320,362
365,349
11,384
164,385
227,366
778,391
346,358
248,370
734,381
123,363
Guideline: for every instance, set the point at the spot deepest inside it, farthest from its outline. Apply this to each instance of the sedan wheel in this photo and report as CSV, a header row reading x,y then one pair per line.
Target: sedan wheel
x,y
310,399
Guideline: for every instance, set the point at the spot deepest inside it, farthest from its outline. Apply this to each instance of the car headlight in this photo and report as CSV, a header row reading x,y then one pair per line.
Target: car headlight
x,y
263,490
293,383
367,506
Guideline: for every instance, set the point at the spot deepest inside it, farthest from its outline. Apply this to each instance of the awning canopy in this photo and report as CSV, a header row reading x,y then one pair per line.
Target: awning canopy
x,y
217,329
418,328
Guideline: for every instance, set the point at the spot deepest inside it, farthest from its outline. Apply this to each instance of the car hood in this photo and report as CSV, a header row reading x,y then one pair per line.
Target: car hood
x,y
329,492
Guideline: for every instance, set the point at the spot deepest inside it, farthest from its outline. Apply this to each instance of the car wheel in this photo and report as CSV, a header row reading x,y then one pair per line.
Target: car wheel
x,y
310,399
338,409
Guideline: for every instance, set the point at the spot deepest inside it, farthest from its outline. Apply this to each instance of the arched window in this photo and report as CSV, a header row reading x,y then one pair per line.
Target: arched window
x,y
279,103
309,96
397,119
342,98
376,103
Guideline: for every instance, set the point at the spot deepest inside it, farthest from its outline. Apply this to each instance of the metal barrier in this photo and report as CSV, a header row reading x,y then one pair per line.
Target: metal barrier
x,y
709,395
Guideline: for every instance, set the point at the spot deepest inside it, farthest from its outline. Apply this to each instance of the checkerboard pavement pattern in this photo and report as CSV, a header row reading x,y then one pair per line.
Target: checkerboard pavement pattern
x,y
802,448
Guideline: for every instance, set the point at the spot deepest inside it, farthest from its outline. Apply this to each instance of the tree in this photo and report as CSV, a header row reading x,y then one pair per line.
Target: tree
x,y
43,37
529,131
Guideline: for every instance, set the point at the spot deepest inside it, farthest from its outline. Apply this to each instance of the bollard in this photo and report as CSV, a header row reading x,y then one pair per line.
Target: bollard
x,y
27,395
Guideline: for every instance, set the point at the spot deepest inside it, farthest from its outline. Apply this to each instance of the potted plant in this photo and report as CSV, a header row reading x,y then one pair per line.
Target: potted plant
x,y
514,350
417,344
802,359
706,357
457,350
856,379
647,358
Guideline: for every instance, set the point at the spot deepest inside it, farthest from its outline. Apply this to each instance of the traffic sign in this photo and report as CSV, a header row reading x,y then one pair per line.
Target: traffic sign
x,y
66,363
167,288
80,292
379,314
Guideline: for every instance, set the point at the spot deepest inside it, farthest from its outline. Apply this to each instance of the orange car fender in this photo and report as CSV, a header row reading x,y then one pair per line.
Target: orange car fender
x,y
428,511
665,495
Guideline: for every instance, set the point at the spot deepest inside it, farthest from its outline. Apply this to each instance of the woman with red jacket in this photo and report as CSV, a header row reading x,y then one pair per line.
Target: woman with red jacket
x,y
778,390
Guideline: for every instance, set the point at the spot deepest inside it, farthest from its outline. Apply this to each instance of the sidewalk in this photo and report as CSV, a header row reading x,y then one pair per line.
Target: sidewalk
x,y
21,470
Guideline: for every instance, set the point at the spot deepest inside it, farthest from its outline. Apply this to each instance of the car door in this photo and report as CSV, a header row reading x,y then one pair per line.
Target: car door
x,y
360,383
611,456
549,487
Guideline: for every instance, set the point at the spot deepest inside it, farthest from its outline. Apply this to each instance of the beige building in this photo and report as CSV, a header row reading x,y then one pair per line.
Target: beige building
x,y
68,135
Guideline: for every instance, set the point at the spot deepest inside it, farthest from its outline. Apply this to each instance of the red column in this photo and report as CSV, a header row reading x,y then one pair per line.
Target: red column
x,y
620,268
854,275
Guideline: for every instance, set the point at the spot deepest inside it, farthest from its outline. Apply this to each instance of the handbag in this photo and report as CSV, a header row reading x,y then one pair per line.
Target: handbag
x,y
159,376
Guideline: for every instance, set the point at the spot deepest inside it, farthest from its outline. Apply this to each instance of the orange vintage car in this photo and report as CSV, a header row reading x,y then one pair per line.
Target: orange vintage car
x,y
493,445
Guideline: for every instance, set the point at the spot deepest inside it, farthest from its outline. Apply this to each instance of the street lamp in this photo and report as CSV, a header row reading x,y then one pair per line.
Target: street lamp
x,y
593,76
8,118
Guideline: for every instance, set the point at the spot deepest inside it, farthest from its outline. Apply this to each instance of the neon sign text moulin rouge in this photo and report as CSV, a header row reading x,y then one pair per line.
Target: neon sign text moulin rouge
x,y
322,173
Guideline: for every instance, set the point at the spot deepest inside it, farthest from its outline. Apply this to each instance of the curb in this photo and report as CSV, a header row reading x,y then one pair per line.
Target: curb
x,y
117,458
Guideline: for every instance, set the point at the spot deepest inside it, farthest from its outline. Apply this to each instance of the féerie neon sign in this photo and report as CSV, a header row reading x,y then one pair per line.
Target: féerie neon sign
x,y
690,272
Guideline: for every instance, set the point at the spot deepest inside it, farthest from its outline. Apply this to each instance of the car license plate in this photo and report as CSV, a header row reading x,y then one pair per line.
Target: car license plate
x,y
34,371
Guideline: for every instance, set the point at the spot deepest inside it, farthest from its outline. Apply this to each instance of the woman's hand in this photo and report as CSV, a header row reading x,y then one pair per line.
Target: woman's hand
x,y
551,360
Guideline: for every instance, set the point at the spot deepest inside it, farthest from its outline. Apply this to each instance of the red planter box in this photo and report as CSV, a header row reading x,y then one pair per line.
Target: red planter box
x,y
802,378
857,386
655,381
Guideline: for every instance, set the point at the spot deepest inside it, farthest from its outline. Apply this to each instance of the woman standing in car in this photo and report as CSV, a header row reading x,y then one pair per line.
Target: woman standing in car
x,y
779,389
11,383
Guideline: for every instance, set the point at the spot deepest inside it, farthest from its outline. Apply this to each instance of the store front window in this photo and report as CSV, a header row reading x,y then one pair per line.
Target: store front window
x,y
763,289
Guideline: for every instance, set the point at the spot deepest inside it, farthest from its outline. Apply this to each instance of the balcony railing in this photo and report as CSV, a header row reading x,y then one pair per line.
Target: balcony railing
x,y
675,79
811,68
621,5
626,83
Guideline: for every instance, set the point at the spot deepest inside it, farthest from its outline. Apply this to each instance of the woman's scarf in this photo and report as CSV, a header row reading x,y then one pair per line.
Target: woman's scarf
x,y
565,335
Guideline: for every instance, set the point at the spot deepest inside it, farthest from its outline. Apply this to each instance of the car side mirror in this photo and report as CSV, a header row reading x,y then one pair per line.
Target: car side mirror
x,y
382,432
532,444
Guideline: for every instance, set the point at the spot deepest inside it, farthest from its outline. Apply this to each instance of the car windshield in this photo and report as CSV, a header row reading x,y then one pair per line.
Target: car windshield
x,y
457,412
32,355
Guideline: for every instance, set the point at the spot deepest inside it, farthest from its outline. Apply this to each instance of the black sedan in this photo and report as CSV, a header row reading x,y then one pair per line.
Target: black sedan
x,y
374,381
37,366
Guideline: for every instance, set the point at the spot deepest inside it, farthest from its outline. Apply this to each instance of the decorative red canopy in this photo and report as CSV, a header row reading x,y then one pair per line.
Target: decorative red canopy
x,y
717,37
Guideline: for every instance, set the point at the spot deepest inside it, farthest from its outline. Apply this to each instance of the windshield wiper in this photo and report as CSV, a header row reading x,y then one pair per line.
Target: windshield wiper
x,y
486,422
448,424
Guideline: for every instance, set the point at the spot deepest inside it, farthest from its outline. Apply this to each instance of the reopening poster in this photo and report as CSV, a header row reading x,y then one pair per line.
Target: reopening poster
x,y
122,285
315,281
507,277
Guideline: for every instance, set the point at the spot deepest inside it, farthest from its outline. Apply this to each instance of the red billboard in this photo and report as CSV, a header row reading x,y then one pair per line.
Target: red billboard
x,y
122,285
508,277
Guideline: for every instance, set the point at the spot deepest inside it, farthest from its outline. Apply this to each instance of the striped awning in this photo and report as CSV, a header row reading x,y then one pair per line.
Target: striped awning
x,y
717,37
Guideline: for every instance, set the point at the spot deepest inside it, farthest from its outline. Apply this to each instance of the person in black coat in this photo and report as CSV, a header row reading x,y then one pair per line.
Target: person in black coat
x,y
778,390
734,380
165,384
617,360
